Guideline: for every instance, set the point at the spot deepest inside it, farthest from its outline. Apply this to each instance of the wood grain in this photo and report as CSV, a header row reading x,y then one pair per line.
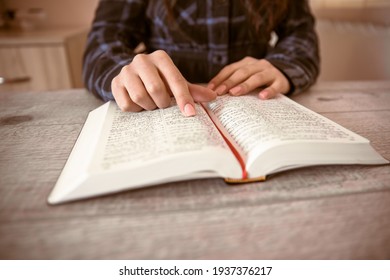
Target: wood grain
x,y
328,97
325,212
341,227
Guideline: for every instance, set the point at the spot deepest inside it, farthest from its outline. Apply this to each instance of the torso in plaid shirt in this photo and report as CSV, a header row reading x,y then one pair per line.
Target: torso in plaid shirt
x,y
204,36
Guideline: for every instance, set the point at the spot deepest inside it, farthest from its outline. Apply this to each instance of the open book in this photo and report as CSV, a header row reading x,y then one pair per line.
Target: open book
x,y
240,139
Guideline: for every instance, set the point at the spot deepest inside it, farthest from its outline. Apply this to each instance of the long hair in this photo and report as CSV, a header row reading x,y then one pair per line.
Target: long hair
x,y
266,14
263,14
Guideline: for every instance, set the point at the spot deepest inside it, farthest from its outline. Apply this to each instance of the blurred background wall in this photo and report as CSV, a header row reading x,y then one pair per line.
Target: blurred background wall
x,y
354,39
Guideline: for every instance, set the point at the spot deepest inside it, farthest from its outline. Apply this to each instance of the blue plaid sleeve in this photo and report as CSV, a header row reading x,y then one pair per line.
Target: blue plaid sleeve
x,y
296,52
116,31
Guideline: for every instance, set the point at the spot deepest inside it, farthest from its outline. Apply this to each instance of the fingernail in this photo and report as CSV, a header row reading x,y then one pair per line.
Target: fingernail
x,y
235,90
221,89
211,86
263,94
189,110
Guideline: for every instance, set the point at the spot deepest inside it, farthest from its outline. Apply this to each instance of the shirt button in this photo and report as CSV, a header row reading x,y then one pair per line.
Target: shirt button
x,y
219,59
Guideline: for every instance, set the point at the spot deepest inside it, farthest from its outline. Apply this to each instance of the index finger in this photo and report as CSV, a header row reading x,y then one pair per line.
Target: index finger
x,y
176,83
226,72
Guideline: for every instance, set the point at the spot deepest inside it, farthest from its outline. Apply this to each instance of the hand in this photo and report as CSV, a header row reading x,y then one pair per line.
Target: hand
x,y
150,80
248,74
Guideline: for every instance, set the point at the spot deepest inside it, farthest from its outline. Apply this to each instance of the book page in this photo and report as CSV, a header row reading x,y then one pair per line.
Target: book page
x,y
135,138
255,123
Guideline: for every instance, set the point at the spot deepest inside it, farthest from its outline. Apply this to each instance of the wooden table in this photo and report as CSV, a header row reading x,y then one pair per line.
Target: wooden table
x,y
333,212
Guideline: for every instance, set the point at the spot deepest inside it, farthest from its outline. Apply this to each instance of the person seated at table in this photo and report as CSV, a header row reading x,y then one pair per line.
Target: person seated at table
x,y
233,46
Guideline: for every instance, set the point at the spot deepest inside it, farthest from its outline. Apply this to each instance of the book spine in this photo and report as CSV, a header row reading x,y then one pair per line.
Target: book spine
x,y
232,148
247,180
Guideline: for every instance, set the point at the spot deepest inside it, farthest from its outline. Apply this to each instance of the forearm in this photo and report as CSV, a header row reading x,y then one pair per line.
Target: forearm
x,y
111,43
100,67
296,54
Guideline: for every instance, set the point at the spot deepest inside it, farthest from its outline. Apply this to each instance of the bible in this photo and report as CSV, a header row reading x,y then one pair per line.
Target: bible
x,y
239,139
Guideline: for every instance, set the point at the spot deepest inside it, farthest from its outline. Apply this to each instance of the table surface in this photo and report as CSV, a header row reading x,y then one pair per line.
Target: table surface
x,y
331,212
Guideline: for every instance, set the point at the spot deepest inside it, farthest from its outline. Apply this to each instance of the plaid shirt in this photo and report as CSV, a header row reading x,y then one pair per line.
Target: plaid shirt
x,y
205,36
